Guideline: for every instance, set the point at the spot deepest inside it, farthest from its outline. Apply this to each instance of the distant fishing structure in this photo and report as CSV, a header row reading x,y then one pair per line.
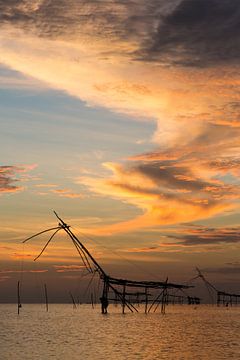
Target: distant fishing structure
x,y
223,298
129,293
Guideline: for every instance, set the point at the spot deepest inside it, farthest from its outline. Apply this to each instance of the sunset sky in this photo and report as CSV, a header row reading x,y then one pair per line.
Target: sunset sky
x,y
123,116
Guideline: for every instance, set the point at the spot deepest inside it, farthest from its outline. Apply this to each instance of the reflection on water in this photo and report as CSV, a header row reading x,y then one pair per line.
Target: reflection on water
x,y
185,332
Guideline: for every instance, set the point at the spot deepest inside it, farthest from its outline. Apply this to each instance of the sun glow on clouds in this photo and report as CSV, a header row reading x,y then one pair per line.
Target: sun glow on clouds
x,y
115,84
154,69
162,193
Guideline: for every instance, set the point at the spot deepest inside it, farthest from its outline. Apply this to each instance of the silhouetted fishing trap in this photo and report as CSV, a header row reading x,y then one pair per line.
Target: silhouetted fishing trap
x,y
129,294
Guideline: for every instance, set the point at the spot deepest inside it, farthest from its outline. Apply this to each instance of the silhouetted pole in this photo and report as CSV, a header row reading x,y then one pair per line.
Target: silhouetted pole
x,y
18,297
46,296
123,299
146,300
73,301
92,302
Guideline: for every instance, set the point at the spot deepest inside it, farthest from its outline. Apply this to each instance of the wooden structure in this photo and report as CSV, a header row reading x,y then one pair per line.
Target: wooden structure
x,y
223,298
226,299
129,293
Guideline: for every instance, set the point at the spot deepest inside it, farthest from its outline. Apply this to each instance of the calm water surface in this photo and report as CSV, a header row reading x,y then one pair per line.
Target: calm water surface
x,y
184,332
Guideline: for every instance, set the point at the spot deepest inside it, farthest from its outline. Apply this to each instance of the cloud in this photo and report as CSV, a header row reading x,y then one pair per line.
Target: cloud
x,y
22,256
186,32
46,185
198,33
224,270
22,271
52,38
116,19
67,194
179,184
9,175
205,236
4,278
68,268
165,192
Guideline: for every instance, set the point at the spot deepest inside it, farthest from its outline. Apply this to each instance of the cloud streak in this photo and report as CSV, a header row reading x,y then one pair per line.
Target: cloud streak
x,y
67,193
9,175
206,236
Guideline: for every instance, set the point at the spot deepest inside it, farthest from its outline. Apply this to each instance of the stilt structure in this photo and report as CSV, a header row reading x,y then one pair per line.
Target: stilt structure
x,y
117,290
227,299
223,298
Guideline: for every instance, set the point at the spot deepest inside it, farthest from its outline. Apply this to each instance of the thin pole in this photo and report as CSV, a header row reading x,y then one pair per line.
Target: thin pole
x,y
163,302
18,297
92,302
46,296
146,300
73,301
123,299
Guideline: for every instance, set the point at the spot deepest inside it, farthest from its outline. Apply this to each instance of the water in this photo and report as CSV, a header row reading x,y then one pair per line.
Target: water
x,y
184,332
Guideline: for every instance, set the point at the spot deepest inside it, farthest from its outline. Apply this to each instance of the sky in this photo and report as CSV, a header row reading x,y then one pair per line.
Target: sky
x,y
123,116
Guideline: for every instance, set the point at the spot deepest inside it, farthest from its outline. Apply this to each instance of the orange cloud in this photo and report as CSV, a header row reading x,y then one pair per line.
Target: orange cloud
x,y
68,268
67,194
162,196
22,256
22,271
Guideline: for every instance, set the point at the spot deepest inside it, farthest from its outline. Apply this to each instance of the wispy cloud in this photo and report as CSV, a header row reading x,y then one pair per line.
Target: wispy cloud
x,y
68,268
22,271
46,185
224,270
67,193
9,175
204,236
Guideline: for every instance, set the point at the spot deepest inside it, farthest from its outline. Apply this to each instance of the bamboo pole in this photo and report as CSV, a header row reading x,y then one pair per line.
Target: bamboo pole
x,y
124,299
19,305
146,300
46,296
92,302
73,301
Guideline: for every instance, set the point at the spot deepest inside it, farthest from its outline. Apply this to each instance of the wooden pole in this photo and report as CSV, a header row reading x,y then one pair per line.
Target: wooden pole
x,y
120,295
146,300
92,302
46,296
18,297
163,301
123,299
73,301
